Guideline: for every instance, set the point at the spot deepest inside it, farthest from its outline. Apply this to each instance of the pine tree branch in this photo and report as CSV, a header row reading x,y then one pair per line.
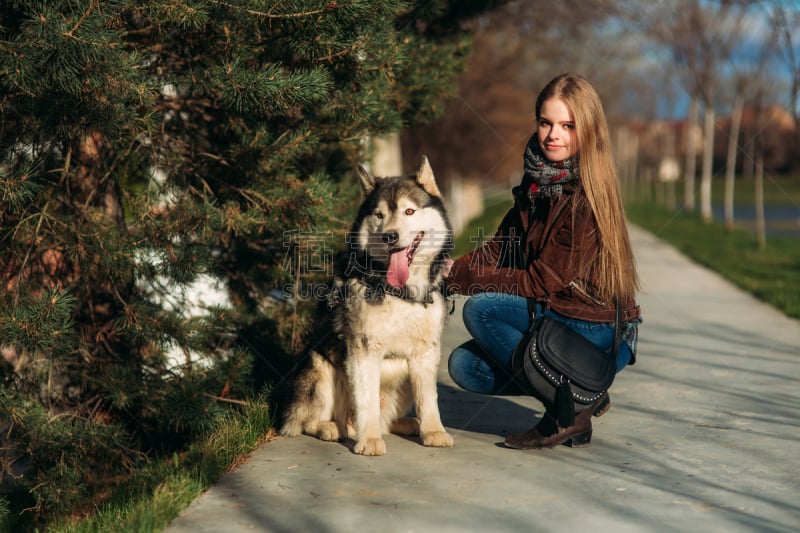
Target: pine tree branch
x,y
330,6
41,215
229,400
67,162
71,33
80,20
331,55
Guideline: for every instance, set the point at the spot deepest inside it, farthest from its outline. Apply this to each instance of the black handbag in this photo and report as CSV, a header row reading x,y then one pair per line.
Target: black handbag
x,y
563,369
558,365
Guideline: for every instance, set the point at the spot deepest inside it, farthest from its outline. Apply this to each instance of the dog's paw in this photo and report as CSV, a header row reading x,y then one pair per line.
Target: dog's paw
x,y
405,426
370,447
329,431
438,439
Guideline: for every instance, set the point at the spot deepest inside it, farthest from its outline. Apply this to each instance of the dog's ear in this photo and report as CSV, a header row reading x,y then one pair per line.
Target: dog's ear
x,y
367,180
426,180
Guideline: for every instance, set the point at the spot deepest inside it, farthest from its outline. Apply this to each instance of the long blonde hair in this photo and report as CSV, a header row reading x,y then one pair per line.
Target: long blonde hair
x,y
613,269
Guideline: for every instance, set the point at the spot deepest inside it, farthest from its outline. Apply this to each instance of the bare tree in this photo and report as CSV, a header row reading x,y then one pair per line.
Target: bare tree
x,y
784,17
730,165
700,36
786,23
761,226
749,73
708,160
714,29
691,157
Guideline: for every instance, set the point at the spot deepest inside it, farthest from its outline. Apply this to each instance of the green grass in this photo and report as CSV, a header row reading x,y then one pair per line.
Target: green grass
x,y
778,191
152,497
772,275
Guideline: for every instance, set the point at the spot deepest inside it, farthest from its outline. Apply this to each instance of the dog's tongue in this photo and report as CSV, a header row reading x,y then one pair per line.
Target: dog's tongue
x,y
398,273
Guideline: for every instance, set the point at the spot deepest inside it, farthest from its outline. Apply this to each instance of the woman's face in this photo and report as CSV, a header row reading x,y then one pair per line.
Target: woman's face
x,y
556,130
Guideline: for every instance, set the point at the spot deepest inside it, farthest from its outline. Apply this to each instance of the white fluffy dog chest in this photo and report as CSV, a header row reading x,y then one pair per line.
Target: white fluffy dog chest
x,y
407,327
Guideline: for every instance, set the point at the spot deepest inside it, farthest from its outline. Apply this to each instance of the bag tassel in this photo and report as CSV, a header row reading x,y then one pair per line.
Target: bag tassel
x,y
565,407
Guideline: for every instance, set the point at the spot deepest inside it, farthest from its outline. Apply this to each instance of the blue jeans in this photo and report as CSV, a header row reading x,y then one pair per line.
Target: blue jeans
x,y
497,322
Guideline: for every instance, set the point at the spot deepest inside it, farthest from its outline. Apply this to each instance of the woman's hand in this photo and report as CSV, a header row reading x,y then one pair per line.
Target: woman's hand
x,y
448,264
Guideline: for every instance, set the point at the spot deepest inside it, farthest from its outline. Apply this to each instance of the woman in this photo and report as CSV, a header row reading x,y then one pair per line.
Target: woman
x,y
578,262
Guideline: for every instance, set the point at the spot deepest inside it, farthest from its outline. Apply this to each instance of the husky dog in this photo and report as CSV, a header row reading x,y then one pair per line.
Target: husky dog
x,y
377,350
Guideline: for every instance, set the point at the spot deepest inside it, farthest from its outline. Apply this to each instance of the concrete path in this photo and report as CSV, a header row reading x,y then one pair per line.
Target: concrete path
x,y
702,436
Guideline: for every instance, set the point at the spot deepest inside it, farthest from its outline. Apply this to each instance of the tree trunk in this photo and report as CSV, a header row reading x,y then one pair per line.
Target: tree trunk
x,y
761,226
749,159
708,159
387,156
691,157
670,181
730,165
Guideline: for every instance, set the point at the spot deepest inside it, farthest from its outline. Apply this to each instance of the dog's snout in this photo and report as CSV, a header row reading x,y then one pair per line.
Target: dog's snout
x,y
391,237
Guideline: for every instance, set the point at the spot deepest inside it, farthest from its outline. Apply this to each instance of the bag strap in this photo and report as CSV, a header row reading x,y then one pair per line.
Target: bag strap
x,y
617,329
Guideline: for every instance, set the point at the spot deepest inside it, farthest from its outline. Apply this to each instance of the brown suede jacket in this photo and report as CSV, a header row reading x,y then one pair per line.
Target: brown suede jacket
x,y
557,236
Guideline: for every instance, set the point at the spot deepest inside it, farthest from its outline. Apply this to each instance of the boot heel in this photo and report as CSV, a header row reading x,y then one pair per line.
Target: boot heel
x,y
580,440
602,406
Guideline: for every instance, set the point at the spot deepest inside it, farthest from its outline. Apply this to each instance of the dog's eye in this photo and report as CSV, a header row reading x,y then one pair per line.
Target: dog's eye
x,y
378,215
410,211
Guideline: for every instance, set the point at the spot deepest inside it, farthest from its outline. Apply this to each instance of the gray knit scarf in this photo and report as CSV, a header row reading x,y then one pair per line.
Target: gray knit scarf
x,y
544,178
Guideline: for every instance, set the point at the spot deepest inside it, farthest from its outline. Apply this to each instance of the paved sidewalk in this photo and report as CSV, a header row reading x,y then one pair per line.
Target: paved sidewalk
x,y
702,436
